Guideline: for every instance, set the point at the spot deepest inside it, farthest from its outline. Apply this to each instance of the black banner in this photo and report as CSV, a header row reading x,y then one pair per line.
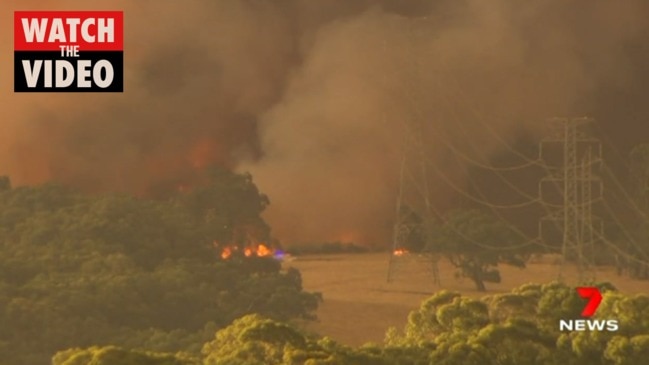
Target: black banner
x,y
48,71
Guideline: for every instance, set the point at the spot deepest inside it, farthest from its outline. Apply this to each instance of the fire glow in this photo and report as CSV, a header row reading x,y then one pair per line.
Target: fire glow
x,y
400,252
257,250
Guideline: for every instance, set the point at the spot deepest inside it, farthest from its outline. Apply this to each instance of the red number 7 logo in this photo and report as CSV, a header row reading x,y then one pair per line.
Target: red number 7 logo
x,y
594,298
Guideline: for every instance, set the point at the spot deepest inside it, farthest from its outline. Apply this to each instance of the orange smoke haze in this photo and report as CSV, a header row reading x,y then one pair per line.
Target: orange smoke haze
x,y
310,96
204,153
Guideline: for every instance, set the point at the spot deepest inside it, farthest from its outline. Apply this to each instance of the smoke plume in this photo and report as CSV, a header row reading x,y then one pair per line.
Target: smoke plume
x,y
312,97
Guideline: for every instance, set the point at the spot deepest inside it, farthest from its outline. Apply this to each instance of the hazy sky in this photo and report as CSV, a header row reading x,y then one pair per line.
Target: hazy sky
x,y
311,96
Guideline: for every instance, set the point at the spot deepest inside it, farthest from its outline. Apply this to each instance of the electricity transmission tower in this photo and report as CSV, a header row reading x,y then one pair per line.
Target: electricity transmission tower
x,y
578,185
413,208
414,213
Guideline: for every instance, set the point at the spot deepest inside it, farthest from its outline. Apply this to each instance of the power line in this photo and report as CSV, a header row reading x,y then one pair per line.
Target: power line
x,y
576,176
573,179
416,120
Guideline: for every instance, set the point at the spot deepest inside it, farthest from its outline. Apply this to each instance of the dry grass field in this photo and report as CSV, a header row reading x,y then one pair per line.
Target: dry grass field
x,y
359,304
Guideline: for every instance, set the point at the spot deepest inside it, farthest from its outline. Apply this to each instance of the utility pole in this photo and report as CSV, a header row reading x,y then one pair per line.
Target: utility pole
x,y
578,188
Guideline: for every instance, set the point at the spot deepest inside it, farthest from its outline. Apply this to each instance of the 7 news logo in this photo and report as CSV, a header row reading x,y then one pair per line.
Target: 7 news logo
x,y
594,297
68,51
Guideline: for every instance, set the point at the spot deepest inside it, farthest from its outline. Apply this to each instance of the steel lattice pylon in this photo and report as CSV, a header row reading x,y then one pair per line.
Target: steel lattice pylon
x,y
414,213
575,179
413,206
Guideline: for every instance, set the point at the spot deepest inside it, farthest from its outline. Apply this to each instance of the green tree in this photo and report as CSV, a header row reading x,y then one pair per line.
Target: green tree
x,y
602,347
231,204
448,329
112,355
78,270
628,351
521,327
253,340
475,243
444,314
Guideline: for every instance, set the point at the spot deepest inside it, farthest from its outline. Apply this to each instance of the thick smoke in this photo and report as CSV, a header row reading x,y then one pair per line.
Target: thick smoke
x,y
471,76
197,79
311,97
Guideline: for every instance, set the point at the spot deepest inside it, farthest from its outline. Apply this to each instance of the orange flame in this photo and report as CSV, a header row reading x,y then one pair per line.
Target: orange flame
x,y
400,252
259,250
226,253
263,250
